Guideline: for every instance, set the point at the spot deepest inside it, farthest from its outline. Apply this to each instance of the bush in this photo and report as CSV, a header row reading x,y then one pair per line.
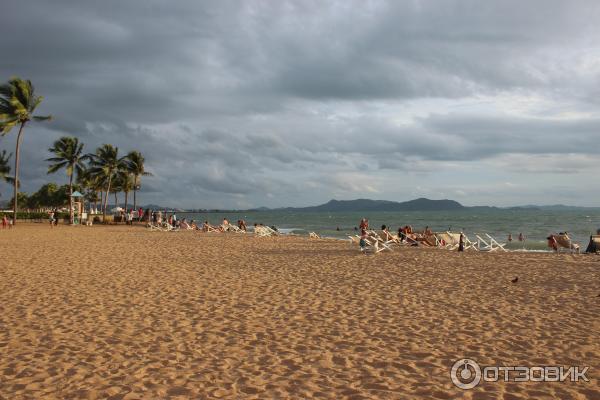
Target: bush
x,y
25,215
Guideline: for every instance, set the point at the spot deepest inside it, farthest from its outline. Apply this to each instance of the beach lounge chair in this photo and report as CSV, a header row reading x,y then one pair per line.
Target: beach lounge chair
x,y
235,229
448,240
169,228
379,241
564,242
490,244
262,231
468,244
372,245
210,228
155,227
313,235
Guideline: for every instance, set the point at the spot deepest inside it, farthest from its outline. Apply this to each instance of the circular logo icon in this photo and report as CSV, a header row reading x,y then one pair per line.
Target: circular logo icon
x,y
465,374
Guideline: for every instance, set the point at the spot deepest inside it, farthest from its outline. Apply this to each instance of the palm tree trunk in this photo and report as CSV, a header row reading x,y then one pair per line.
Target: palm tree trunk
x,y
71,219
106,200
134,199
17,173
126,195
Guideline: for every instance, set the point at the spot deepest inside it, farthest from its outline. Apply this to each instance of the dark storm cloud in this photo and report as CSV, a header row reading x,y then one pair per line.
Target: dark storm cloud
x,y
285,102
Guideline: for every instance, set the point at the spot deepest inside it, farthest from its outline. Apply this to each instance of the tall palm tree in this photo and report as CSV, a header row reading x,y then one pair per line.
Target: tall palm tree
x,y
91,185
105,164
69,155
135,166
126,182
5,168
17,104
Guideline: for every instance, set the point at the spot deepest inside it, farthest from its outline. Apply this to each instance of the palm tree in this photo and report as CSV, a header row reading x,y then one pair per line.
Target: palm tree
x,y
69,155
17,104
104,164
126,183
5,168
135,166
91,185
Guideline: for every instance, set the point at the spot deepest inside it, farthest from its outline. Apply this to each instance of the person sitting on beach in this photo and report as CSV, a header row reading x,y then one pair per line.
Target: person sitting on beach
x,y
401,235
225,225
552,243
385,233
427,231
205,226
242,225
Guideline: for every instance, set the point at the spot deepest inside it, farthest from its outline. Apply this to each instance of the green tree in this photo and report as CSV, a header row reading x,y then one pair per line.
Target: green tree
x,y
135,166
69,155
90,186
5,168
21,198
104,165
17,104
46,196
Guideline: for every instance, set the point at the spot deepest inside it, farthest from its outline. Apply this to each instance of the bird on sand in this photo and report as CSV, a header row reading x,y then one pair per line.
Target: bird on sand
x,y
515,280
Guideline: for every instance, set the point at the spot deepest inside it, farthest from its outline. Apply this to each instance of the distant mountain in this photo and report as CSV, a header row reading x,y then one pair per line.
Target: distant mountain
x,y
555,207
421,204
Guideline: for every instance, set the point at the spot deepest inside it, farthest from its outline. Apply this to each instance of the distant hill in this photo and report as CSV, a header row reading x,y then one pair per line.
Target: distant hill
x,y
421,204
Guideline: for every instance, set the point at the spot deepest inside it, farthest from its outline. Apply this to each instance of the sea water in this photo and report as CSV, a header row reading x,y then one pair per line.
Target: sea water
x,y
534,224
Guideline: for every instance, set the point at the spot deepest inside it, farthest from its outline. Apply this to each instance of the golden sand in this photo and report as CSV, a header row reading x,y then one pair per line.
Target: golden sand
x,y
124,313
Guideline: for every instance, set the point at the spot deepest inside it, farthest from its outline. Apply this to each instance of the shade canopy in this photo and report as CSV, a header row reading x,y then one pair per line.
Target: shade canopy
x,y
76,194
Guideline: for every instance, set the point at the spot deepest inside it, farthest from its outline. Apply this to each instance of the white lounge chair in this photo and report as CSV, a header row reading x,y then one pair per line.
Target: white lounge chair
x,y
564,241
490,244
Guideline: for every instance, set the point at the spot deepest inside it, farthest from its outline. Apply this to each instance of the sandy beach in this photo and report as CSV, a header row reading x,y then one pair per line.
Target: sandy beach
x,y
124,313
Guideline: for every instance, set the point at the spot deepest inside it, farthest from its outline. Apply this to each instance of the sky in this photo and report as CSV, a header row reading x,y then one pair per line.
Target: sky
x,y
241,104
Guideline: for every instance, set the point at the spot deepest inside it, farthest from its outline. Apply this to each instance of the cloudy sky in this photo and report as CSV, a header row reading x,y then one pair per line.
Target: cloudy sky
x,y
251,103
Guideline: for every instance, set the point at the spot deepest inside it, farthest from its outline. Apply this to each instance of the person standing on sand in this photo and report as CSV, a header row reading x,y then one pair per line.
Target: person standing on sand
x,y
4,222
363,239
461,242
51,218
364,224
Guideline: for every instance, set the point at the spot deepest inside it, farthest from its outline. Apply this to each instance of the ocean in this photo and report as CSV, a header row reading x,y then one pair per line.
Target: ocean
x,y
536,225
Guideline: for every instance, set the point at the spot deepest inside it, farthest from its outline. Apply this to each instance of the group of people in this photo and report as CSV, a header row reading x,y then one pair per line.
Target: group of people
x,y
521,237
6,222
156,218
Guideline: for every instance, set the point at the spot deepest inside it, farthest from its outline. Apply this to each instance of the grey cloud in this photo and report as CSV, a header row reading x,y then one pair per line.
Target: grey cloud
x,y
288,102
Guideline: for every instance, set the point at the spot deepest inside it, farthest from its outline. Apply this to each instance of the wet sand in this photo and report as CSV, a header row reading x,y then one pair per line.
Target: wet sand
x,y
124,313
